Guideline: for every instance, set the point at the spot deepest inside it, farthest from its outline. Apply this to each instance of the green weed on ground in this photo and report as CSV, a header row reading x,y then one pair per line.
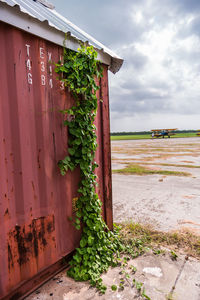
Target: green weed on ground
x,y
130,137
137,169
140,237
141,162
175,165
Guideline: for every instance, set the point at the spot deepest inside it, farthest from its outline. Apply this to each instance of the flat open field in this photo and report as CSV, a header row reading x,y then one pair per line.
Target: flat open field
x,y
157,182
148,136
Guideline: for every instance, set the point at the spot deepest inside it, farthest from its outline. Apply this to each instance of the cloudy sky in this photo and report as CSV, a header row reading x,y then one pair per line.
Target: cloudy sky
x,y
159,83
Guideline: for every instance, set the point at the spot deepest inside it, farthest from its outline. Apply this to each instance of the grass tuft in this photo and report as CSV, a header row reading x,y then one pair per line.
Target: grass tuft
x,y
148,136
186,242
137,169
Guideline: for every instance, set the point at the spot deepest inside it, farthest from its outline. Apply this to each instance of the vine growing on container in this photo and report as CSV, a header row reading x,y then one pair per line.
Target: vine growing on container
x,y
80,73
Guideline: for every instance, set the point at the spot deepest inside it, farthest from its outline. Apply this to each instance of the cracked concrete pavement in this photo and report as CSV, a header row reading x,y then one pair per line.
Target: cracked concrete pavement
x,y
160,275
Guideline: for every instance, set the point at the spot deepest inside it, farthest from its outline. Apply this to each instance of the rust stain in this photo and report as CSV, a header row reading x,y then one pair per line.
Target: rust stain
x,y
22,249
50,227
6,214
15,70
16,296
33,186
20,52
10,258
42,233
31,211
27,241
38,159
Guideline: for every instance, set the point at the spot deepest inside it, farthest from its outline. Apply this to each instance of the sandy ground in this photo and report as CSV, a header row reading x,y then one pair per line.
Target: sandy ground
x,y
164,202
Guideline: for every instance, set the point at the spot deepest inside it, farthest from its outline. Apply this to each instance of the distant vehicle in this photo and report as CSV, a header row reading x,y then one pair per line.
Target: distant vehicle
x,y
198,132
156,133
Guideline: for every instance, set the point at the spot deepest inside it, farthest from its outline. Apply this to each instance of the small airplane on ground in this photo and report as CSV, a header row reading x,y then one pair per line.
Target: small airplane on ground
x,y
198,132
162,132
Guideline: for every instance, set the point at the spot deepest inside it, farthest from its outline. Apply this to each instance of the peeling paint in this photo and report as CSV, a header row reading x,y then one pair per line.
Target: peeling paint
x,y
25,242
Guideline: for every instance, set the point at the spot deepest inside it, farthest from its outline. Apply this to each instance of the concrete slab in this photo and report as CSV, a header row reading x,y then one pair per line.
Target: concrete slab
x,y
158,273
157,287
67,289
188,285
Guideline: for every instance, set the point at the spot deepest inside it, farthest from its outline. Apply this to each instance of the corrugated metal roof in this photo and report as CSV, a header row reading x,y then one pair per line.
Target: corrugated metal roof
x,y
41,10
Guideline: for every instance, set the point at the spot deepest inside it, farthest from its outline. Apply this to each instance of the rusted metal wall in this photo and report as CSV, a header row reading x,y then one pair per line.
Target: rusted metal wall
x,y
35,200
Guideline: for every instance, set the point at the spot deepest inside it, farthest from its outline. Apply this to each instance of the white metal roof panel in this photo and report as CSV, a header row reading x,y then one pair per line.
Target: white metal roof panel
x,y
43,11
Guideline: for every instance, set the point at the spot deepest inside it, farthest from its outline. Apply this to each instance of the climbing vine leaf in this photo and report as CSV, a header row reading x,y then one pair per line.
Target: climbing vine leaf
x,y
81,72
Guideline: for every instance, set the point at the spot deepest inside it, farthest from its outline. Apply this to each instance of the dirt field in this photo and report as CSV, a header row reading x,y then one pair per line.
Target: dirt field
x,y
166,202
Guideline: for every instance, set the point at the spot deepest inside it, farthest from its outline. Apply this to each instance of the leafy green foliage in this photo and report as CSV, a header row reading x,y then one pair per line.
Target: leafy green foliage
x,y
141,290
133,268
114,287
80,73
173,255
144,295
141,170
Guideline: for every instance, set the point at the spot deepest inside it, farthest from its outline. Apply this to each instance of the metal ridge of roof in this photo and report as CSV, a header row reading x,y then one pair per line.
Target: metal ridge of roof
x,y
38,10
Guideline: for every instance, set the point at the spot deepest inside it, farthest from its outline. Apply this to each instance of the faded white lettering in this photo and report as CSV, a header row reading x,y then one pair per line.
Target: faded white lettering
x,y
43,80
28,49
50,70
42,66
51,83
49,55
28,64
41,52
30,80
62,85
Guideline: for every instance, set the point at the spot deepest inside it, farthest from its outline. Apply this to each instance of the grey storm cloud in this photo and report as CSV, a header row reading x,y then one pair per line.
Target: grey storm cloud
x,y
151,102
188,57
190,29
140,100
133,86
194,27
186,6
133,58
109,22
160,44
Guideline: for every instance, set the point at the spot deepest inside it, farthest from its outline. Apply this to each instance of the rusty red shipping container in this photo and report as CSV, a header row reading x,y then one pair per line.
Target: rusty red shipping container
x,y
35,200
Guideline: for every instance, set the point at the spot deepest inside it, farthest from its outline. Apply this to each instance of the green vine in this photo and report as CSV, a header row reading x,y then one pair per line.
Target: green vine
x,y
99,247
